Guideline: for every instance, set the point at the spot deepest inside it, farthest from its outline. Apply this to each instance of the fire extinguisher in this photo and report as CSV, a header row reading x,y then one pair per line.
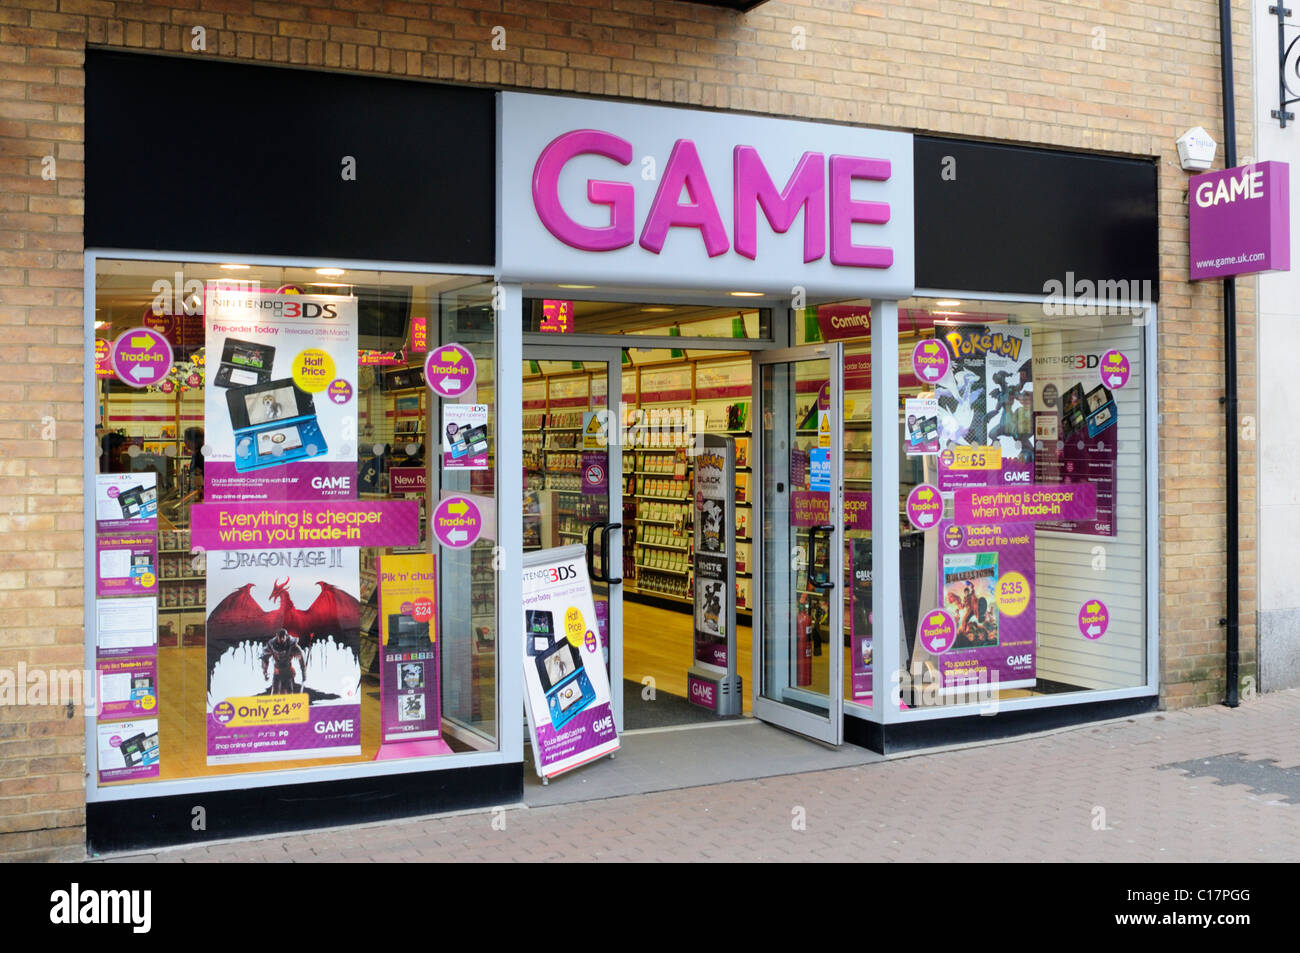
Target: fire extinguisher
x,y
803,645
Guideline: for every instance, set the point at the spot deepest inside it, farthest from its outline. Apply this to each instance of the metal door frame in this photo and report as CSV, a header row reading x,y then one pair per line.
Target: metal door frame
x,y
612,355
830,729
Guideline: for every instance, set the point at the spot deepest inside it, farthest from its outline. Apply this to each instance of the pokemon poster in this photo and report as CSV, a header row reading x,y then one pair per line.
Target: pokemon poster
x,y
986,426
283,654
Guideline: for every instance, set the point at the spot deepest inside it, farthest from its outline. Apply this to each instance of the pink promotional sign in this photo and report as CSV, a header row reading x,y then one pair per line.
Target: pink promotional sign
x,y
1114,369
1239,221
702,692
1094,619
141,357
840,321
457,522
1025,504
305,523
929,361
126,565
937,632
419,335
924,506
810,508
408,479
450,370
557,317
127,686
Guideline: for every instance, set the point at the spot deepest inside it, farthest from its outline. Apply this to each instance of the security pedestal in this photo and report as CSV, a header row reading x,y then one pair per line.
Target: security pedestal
x,y
712,681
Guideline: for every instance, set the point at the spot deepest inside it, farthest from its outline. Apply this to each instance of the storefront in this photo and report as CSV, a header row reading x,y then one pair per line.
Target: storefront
x,y
304,582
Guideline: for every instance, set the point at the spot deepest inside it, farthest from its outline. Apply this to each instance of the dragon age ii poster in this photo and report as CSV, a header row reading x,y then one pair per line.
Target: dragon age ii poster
x,y
283,659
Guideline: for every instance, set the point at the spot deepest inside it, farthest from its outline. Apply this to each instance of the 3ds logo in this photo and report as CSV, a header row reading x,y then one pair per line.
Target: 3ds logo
x,y
806,191
562,573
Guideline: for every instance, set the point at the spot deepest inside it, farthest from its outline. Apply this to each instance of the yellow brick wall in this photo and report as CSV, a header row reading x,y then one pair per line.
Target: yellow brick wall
x,y
1105,75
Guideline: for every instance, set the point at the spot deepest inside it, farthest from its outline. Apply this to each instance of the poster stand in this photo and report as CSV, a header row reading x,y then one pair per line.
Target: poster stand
x,y
567,697
712,681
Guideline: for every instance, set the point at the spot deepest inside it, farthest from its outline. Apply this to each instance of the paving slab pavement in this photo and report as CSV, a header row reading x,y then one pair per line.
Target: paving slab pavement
x,y
1208,784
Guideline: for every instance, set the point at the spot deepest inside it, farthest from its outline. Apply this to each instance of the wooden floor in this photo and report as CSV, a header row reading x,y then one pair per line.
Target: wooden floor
x,y
658,643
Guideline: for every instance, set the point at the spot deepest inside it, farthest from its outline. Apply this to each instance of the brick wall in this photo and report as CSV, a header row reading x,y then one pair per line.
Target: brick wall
x,y
1101,75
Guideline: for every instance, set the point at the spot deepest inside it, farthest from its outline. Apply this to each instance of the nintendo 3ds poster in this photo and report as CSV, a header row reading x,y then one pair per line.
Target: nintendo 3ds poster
x,y
1076,425
283,654
566,689
280,402
986,425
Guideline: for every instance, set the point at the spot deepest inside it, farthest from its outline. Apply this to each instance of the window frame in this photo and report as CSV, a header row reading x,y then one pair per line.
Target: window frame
x,y
509,698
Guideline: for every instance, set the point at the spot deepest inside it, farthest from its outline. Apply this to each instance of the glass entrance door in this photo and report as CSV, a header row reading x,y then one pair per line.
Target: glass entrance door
x,y
573,475
798,658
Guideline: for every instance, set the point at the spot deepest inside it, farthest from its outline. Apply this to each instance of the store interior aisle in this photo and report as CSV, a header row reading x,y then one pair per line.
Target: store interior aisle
x,y
657,643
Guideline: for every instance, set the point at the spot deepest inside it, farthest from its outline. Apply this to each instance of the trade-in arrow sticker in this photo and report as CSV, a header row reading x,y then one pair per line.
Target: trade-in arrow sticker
x,y
1094,619
141,357
450,370
457,522
930,360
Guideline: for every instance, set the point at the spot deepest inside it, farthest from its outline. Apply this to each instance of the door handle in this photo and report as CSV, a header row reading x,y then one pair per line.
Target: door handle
x,y
604,553
591,553
824,582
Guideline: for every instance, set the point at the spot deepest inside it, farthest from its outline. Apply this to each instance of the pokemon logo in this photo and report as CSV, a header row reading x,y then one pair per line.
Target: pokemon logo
x,y
963,343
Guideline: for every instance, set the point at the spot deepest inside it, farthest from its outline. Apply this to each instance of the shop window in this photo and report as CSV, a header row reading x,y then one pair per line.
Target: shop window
x,y
270,593
1022,497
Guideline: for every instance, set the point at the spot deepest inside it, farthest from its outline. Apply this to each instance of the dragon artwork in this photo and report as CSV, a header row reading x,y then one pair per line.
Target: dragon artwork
x,y
280,640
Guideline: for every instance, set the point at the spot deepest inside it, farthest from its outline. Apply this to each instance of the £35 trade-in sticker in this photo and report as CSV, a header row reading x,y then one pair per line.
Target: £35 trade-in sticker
x,y
1013,594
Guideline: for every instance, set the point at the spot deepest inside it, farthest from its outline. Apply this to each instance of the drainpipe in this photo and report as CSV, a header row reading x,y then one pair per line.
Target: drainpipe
x,y
1230,375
